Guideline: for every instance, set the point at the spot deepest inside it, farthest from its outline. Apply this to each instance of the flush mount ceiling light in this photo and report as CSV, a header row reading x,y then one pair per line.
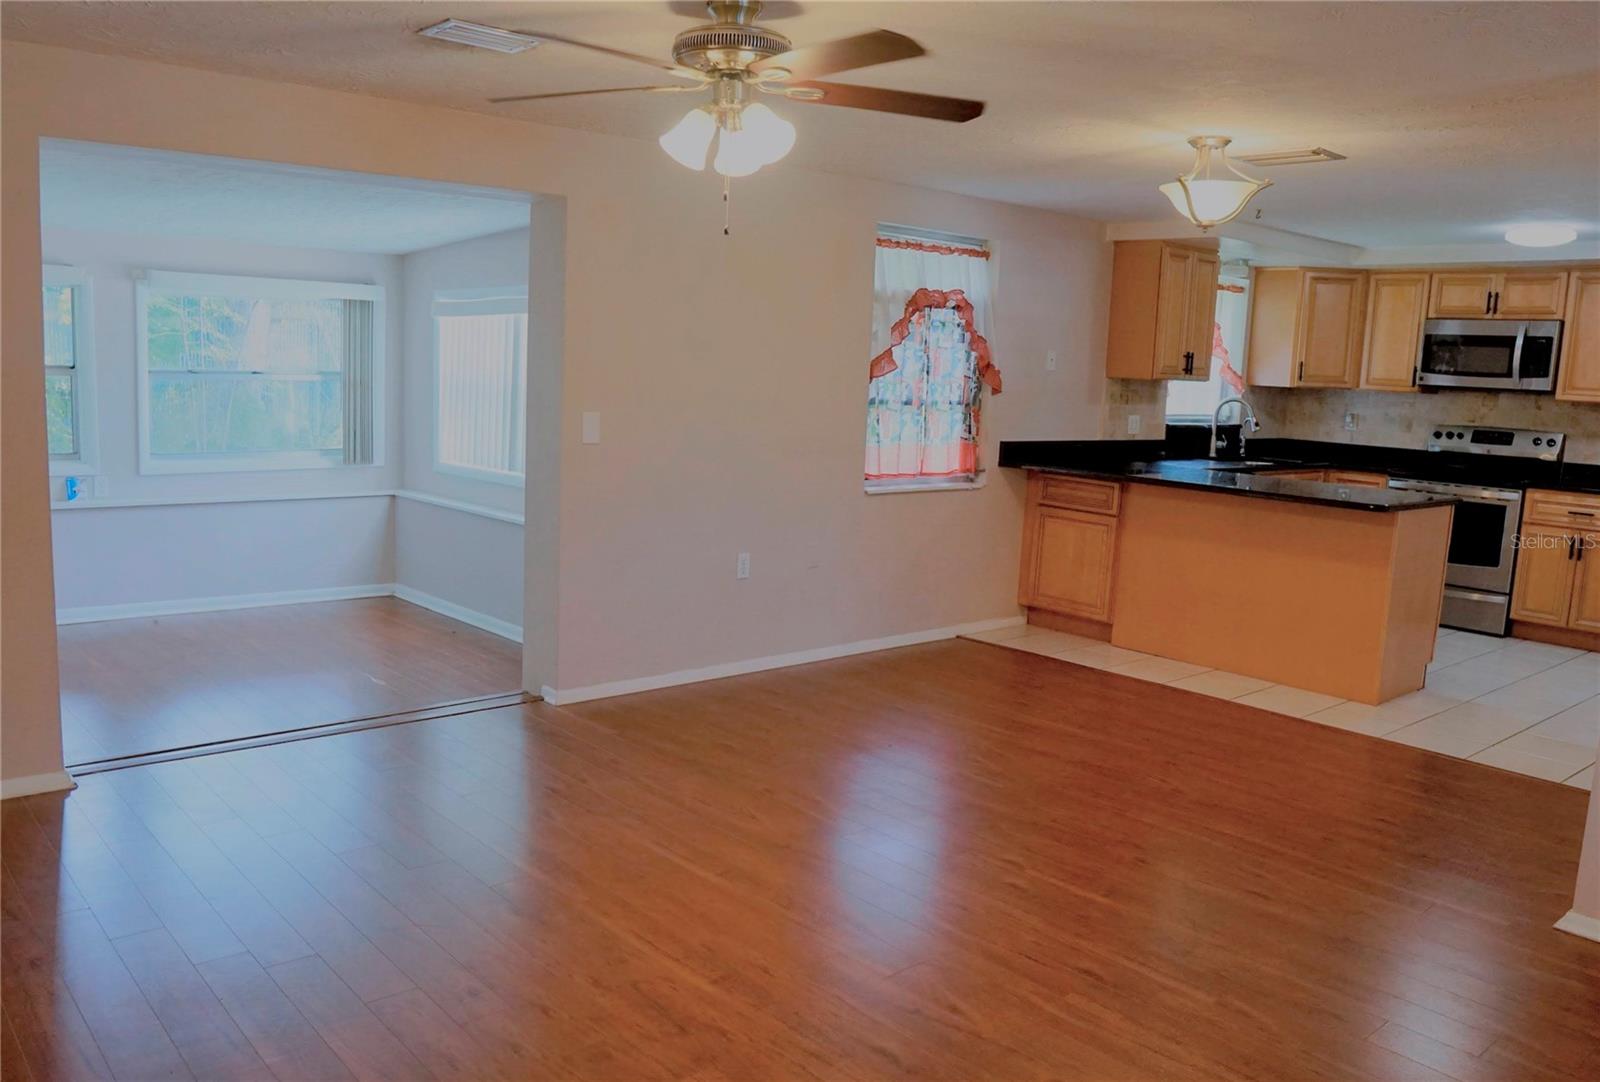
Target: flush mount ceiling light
x,y
735,59
1206,200
1541,235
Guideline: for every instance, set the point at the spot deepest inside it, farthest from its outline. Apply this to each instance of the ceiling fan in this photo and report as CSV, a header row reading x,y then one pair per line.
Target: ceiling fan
x,y
735,60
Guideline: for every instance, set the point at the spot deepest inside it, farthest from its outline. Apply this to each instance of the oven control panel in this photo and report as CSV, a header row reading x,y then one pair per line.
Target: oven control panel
x,y
1520,442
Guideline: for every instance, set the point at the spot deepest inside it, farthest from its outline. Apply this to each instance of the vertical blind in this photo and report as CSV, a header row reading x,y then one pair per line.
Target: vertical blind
x,y
483,345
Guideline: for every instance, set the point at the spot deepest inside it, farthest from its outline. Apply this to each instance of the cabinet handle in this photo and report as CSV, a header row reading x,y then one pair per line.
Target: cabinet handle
x,y
1569,548
1301,377
1497,302
1413,375
1488,302
1585,514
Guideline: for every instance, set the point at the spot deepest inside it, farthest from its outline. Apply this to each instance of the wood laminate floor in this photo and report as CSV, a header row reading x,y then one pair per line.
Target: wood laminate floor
x,y
951,861
134,686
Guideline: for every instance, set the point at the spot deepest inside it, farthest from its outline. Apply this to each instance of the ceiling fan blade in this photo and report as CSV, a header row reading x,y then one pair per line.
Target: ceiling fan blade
x,y
842,54
581,93
622,54
908,103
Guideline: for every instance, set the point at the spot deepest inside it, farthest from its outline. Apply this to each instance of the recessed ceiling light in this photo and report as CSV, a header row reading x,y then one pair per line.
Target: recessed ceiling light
x,y
479,36
1541,235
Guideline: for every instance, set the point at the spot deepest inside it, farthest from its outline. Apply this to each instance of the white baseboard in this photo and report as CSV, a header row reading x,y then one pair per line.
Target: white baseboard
x,y
565,696
1580,925
30,784
459,612
88,614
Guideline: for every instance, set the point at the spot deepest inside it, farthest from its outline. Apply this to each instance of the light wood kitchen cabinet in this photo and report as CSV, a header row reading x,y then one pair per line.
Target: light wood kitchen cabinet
x,y
1163,309
1542,593
1069,544
1357,478
1578,375
1396,306
1585,612
1558,564
1491,294
1305,327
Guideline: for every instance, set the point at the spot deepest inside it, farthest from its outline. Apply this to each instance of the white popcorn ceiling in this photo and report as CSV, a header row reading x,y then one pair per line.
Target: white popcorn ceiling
x,y
123,190
1458,119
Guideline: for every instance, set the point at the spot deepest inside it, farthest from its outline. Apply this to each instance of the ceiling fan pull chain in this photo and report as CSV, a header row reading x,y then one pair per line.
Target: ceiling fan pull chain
x,y
727,204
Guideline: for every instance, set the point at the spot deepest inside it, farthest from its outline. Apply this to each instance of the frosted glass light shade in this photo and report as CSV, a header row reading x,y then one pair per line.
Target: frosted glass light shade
x,y
1541,235
1215,201
773,135
688,141
738,153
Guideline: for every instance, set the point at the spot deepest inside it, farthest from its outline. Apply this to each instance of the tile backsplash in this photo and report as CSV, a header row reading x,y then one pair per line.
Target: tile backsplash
x,y
1143,398
1384,418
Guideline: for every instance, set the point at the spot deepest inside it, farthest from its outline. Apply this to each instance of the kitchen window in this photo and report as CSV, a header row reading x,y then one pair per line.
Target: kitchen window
x,y
930,361
69,370
1192,401
243,373
480,379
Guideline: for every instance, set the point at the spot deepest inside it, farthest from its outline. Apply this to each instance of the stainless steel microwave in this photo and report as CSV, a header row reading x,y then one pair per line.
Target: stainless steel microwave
x,y
1490,354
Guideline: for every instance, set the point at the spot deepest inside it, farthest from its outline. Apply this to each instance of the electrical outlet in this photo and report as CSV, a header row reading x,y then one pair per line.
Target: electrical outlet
x,y
1350,422
1050,361
1134,422
743,570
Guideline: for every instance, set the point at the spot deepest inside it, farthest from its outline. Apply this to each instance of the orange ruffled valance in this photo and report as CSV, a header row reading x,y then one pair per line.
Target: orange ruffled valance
x,y
938,249
884,363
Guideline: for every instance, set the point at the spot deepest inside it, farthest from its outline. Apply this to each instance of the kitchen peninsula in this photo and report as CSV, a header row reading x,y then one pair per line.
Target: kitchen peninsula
x,y
1332,587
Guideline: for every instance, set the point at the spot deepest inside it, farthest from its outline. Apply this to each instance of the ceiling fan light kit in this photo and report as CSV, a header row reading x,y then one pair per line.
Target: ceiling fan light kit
x,y
1206,200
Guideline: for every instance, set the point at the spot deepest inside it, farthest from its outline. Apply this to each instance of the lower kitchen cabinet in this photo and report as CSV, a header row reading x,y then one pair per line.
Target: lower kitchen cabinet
x,y
1558,564
1069,546
1542,593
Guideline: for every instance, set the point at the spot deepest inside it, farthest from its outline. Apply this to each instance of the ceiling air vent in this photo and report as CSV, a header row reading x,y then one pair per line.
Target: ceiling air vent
x,y
1292,157
479,36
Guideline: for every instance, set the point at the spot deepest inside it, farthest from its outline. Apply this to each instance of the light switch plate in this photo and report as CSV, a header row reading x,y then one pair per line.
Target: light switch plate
x,y
1350,422
591,428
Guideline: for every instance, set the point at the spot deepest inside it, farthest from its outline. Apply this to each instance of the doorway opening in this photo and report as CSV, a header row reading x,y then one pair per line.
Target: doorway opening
x,y
287,427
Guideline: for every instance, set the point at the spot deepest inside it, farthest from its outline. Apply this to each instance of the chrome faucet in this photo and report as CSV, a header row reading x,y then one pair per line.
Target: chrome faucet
x,y
1247,423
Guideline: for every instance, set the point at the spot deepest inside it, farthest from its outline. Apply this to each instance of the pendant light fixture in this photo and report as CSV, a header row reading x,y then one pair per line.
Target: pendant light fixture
x,y
1206,200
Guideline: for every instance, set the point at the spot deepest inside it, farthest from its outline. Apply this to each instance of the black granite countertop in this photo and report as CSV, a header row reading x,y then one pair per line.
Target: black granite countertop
x,y
1142,461
1189,442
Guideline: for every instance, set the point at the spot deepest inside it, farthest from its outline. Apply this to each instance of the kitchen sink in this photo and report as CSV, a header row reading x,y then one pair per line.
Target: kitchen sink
x,y
1213,463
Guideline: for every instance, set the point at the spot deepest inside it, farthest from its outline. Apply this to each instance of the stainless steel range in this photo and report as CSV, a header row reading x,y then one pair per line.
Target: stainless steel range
x,y
1482,558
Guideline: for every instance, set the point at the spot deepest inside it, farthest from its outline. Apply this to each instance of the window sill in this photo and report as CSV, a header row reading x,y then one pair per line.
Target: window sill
x,y
889,488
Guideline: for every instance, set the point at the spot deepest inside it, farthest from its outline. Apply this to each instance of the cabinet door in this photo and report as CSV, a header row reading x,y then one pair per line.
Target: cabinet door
x,y
1072,557
1464,295
1585,612
1172,310
1200,328
1579,376
1542,592
1531,295
1396,307
1330,313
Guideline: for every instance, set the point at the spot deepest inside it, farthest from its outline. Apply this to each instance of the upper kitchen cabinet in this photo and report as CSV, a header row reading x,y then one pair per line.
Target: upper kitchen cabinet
x,y
1489,294
1163,308
1305,327
1578,375
1397,303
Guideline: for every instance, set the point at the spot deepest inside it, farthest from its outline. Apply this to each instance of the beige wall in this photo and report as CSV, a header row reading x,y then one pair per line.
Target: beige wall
x,y
729,373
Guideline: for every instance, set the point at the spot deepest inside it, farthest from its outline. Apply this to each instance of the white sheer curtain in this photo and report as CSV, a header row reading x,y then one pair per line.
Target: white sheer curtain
x,y
900,272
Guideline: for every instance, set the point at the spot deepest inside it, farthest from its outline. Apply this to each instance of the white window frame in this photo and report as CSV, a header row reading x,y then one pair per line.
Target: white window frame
x,y
487,301
250,288
85,461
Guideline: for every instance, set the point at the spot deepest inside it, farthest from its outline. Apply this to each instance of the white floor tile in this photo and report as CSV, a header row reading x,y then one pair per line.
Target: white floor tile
x,y
1041,641
1220,684
1386,717
1578,724
1534,765
1536,697
1529,648
1529,742
1583,779
1464,645
1104,656
1462,730
1282,699
1160,670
